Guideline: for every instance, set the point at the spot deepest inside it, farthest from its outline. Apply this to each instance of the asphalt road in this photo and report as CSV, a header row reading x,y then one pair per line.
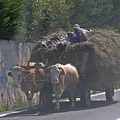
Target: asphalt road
x,y
100,109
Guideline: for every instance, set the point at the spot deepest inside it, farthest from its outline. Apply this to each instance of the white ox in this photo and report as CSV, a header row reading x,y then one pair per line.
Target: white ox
x,y
63,77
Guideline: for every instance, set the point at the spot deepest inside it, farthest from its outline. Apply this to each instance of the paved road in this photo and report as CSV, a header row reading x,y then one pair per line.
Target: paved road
x,y
99,110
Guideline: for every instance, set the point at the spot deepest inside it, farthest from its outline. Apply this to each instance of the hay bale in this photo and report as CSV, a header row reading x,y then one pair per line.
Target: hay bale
x,y
105,62
103,66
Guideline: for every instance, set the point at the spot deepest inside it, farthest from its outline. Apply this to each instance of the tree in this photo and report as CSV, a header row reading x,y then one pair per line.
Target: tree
x,y
41,17
9,17
91,13
28,20
115,15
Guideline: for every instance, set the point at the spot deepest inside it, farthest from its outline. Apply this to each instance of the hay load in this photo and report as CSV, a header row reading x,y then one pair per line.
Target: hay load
x,y
106,57
103,66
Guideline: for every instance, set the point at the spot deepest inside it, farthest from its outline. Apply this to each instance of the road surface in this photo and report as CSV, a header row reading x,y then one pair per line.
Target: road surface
x,y
100,109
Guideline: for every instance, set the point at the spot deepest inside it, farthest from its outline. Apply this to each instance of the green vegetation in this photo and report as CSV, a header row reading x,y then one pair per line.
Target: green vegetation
x,y
20,103
29,20
17,106
2,109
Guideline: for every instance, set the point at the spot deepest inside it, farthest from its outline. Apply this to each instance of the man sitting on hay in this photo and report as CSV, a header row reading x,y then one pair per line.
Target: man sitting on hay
x,y
77,36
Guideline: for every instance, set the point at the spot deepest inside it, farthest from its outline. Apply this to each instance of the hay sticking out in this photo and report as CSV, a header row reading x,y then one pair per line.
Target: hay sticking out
x,y
81,46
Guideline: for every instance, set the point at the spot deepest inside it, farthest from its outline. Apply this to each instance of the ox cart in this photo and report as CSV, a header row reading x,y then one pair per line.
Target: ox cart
x,y
81,56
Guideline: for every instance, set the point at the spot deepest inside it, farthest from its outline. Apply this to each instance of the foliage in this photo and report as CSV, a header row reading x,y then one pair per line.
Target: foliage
x,y
10,11
110,28
28,20
2,109
91,13
20,103
42,17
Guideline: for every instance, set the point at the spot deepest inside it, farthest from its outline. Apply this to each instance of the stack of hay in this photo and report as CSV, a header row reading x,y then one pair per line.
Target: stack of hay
x,y
106,57
103,66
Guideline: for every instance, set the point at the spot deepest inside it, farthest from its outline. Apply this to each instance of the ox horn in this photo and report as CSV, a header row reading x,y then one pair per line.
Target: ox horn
x,y
40,66
62,72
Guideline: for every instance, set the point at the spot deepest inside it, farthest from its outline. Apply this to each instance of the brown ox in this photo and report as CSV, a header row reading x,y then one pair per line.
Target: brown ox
x,y
63,77
30,81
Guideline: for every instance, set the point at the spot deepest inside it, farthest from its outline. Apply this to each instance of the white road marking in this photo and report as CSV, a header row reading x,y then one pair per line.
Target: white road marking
x,y
103,93
6,114
118,119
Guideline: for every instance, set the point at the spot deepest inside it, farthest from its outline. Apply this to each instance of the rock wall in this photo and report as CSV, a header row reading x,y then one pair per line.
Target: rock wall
x,y
11,54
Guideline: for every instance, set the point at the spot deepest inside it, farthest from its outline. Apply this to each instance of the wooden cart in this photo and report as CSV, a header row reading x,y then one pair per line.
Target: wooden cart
x,y
80,60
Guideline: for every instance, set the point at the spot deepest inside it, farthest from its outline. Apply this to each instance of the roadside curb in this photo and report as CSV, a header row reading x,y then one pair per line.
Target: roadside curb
x,y
8,113
14,112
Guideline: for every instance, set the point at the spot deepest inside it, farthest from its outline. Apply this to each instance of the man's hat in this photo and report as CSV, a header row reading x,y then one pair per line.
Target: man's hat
x,y
76,25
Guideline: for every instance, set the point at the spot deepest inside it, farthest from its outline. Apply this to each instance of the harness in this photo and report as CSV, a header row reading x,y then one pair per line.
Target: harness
x,y
39,76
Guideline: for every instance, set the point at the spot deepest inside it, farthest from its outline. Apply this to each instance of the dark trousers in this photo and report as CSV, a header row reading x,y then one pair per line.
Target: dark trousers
x,y
81,37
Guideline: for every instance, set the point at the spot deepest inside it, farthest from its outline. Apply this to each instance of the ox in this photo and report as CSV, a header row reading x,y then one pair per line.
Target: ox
x,y
30,81
63,77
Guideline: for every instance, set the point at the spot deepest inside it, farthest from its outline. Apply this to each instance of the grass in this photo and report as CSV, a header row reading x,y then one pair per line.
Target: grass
x,y
2,109
18,105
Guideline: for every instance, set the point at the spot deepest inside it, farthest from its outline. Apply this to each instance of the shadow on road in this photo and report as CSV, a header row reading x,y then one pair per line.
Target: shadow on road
x,y
65,107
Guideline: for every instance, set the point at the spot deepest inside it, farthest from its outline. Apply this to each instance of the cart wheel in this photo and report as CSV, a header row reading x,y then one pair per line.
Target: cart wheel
x,y
85,95
47,97
109,92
